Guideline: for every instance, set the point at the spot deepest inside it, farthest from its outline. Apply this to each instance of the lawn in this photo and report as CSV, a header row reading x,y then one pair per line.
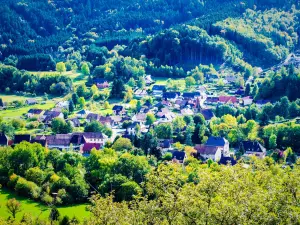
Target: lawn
x,y
39,210
77,77
11,113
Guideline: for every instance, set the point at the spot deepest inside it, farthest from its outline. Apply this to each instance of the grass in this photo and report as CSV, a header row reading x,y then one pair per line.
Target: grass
x,y
37,209
77,77
13,113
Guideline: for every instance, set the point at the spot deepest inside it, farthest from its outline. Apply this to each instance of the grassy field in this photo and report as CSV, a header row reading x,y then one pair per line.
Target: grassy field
x,y
77,77
37,209
13,113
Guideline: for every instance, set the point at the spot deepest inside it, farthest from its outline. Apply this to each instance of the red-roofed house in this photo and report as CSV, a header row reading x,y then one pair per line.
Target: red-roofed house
x,y
87,147
228,99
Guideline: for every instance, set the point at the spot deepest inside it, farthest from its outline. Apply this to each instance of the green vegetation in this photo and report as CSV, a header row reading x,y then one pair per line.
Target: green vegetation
x,y
37,209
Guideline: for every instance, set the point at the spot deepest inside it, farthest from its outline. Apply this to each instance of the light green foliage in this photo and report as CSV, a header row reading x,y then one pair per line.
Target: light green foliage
x,y
61,67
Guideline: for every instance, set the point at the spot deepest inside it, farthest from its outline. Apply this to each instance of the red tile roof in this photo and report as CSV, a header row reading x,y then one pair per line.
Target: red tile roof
x,y
227,99
87,147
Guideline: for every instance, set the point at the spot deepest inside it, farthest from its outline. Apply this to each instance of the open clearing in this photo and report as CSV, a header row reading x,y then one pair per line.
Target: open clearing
x,y
39,210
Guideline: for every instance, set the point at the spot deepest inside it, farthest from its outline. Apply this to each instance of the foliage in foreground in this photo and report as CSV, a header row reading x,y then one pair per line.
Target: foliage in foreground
x,y
263,193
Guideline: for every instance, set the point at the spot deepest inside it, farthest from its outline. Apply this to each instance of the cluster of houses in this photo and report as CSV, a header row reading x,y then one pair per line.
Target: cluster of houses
x,y
168,106
79,142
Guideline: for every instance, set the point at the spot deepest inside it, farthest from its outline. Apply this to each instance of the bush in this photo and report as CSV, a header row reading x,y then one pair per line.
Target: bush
x,y
27,188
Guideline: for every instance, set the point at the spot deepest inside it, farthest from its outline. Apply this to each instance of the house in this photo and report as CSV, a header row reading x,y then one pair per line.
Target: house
x,y
149,80
140,118
22,137
171,96
101,83
206,152
227,161
208,114
4,140
63,105
131,129
165,145
118,110
187,112
58,141
240,91
158,90
74,122
87,148
211,77
83,113
212,99
92,117
190,95
75,141
180,104
253,148
34,113
231,78
31,101
178,156
247,100
219,142
116,120
48,116
261,103
140,93
228,99
106,120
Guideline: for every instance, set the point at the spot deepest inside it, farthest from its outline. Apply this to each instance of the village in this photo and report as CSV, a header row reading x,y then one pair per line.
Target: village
x,y
158,104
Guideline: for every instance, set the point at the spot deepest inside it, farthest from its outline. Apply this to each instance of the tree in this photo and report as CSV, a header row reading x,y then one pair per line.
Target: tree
x,y
164,131
74,67
94,89
150,119
254,91
107,105
85,69
141,82
131,82
59,126
118,89
248,89
81,102
13,207
178,123
54,214
61,67
122,144
71,106
272,141
75,98
93,126
82,91
190,81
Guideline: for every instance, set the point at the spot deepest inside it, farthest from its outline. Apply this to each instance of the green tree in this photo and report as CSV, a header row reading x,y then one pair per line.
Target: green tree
x,y
61,67
122,144
273,141
190,81
131,82
85,69
75,98
54,214
94,126
141,82
164,131
178,123
150,119
13,207
81,102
